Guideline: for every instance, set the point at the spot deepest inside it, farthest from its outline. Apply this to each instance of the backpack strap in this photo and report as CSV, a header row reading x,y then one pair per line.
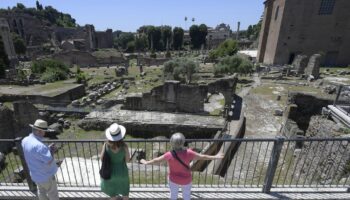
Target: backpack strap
x,y
173,153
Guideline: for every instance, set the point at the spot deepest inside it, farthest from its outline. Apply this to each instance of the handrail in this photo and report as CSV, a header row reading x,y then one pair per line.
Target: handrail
x,y
199,140
252,162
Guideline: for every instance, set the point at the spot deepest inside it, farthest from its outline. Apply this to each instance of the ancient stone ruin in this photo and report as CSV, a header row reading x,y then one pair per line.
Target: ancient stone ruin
x,y
313,67
300,63
7,40
173,96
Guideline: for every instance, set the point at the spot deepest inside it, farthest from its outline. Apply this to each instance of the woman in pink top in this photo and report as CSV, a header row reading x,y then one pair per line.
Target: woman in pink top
x,y
178,160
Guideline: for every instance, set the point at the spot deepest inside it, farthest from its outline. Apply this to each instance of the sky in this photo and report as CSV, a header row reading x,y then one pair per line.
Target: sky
x,y
129,15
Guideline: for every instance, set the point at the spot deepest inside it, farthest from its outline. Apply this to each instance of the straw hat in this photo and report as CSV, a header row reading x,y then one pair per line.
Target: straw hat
x,y
40,125
115,132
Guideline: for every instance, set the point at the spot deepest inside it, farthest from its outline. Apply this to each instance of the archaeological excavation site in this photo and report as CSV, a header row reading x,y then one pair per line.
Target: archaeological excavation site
x,y
107,104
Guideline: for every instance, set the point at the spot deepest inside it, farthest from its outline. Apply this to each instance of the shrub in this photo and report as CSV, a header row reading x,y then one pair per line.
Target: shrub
x,y
227,48
81,78
130,47
53,74
233,64
50,70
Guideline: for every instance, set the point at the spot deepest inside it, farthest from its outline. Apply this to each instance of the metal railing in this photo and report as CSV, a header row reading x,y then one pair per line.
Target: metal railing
x,y
252,163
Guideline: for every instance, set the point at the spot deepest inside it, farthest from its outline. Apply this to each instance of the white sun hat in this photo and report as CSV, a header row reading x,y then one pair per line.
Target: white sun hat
x,y
115,132
40,125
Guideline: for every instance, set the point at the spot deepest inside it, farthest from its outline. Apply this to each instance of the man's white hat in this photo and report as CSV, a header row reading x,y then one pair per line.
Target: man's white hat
x,y
40,125
115,132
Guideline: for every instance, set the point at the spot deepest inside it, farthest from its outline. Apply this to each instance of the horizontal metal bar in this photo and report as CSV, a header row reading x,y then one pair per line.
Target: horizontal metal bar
x,y
199,140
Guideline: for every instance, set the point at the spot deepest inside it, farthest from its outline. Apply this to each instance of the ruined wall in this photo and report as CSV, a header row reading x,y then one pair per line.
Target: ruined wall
x,y
151,61
64,98
34,31
25,113
300,63
173,96
301,107
7,40
104,39
15,123
63,33
112,60
76,57
70,95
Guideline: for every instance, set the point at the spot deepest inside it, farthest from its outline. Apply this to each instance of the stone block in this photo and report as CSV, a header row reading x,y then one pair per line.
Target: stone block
x,y
313,67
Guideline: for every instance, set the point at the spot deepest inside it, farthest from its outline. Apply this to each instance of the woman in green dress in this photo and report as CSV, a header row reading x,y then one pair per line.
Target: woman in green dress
x,y
118,185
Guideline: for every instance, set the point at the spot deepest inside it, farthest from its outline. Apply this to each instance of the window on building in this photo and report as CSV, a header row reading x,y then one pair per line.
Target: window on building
x,y
326,7
276,13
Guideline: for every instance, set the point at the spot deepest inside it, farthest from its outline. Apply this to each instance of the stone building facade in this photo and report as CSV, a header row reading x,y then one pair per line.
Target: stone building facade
x,y
307,27
218,35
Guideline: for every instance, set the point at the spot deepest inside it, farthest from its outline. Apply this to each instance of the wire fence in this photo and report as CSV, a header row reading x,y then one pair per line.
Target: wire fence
x,y
250,163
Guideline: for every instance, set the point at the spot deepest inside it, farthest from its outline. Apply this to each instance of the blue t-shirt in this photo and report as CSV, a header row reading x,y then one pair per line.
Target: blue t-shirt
x,y
38,158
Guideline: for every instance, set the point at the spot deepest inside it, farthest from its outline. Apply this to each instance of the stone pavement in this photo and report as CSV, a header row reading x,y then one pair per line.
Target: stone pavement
x,y
198,193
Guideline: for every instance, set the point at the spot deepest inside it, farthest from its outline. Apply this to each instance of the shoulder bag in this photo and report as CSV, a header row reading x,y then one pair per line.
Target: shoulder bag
x,y
173,153
106,168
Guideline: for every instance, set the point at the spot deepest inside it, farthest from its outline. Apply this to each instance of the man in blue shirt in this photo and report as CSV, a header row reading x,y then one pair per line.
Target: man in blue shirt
x,y
40,161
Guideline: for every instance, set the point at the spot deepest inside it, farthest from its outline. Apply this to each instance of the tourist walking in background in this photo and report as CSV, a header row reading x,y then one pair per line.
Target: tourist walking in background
x,y
40,161
178,160
118,184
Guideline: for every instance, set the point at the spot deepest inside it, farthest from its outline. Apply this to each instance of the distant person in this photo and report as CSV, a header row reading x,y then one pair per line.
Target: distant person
x,y
40,161
118,184
178,160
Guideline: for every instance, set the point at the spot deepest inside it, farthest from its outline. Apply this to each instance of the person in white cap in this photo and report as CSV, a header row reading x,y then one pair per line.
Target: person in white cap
x,y
118,184
40,161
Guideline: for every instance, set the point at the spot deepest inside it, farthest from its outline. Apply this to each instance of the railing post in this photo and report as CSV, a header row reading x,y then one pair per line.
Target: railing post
x,y
31,184
271,169
338,94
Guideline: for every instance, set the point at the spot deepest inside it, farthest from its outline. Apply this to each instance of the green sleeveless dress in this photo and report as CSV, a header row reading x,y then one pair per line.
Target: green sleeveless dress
x,y
118,184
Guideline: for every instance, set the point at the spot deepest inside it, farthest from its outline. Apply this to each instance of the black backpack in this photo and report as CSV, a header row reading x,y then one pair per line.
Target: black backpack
x,y
106,170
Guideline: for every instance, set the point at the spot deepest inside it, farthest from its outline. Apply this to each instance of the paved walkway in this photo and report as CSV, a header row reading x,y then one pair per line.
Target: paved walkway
x,y
198,193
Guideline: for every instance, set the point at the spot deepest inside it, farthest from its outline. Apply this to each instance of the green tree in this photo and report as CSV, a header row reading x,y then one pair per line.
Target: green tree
x,y
181,69
195,36
203,32
178,37
154,37
198,35
39,6
20,6
253,31
228,48
123,40
48,13
166,33
141,43
130,47
18,42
